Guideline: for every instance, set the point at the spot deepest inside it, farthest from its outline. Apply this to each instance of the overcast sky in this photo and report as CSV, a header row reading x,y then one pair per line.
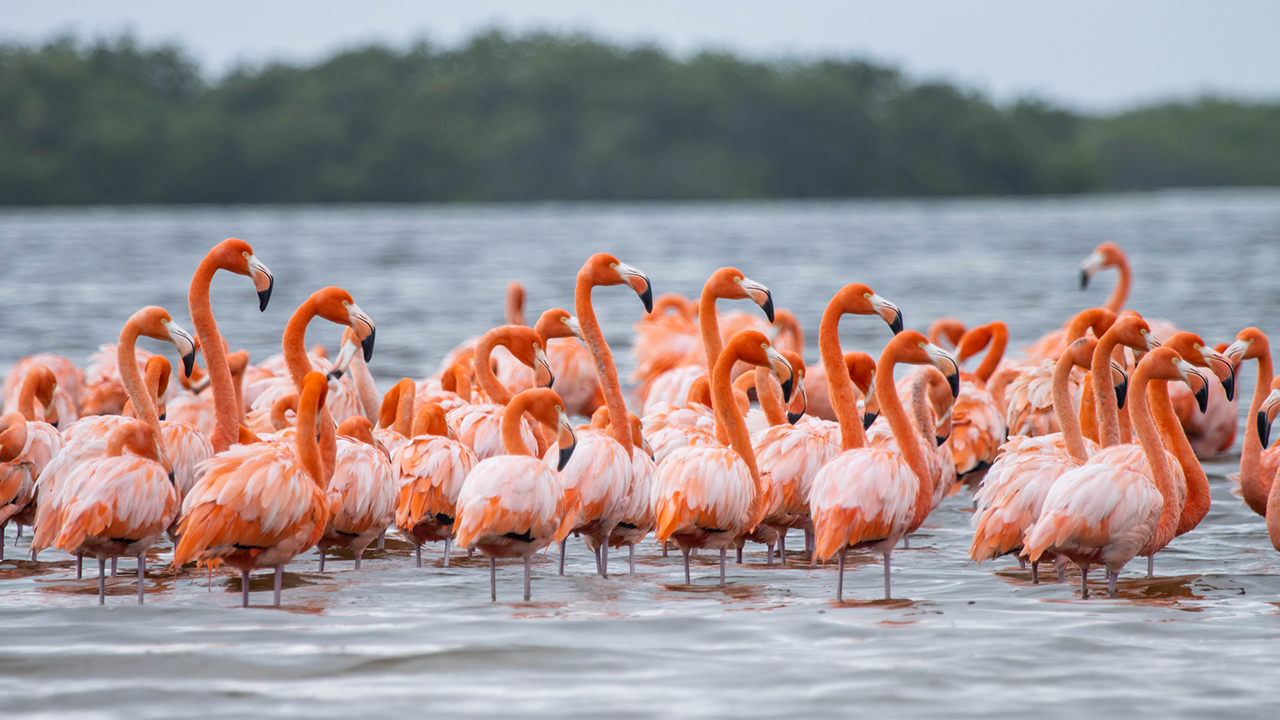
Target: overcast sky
x,y
1091,54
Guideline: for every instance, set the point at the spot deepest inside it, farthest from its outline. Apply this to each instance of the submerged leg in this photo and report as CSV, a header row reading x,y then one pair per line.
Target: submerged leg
x,y
471,552
358,556
113,566
382,540
79,565
279,585
1111,583
632,549
1062,571
782,547
906,542
840,577
808,542
528,570
723,554
322,561
417,550
142,574
17,533
102,581
604,556
685,551
769,555
744,544
664,548
493,580
1084,581
1151,565
244,588
1035,573
563,543
1022,563
448,547
886,576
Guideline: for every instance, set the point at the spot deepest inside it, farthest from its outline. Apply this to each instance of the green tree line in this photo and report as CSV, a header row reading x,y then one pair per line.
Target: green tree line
x,y
554,117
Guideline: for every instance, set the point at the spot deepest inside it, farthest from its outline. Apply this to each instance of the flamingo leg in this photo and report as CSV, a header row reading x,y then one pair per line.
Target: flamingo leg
x,y
769,555
113,566
17,533
604,556
906,542
1022,563
563,543
1111,583
886,576
142,573
244,588
2,529
528,571
102,581
493,580
448,545
418,551
744,544
322,561
279,584
723,553
79,565
1084,581
472,551
808,542
1151,565
840,577
632,548
382,540
664,548
782,547
685,552
1062,572
1035,573
358,556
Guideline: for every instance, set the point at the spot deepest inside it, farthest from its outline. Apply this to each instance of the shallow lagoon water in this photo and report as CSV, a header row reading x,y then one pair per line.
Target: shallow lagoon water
x,y
1199,640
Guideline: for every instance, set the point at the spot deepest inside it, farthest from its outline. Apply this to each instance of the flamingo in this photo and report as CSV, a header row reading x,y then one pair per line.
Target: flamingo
x,y
1258,463
119,504
727,283
596,482
350,359
478,425
262,504
362,491
512,505
1103,512
666,339
37,398
636,517
185,446
70,381
977,420
1105,255
1013,492
396,418
704,496
1265,417
196,408
571,362
432,468
870,496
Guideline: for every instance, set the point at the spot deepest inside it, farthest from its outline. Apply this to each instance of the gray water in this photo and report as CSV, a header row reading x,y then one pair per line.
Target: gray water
x,y
1199,640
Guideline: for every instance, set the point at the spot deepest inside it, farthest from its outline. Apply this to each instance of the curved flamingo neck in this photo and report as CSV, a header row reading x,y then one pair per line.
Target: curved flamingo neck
x,y
498,393
404,410
903,431
770,394
366,388
839,385
730,417
1120,293
999,341
1196,504
304,439
1088,410
1254,488
27,397
619,423
226,411
1068,422
1108,411
144,407
709,327
13,440
512,440
294,345
1152,446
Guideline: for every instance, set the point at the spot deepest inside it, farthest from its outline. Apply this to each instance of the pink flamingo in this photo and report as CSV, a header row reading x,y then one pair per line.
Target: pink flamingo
x,y
1105,255
70,380
362,491
37,399
432,468
1258,463
977,420
511,505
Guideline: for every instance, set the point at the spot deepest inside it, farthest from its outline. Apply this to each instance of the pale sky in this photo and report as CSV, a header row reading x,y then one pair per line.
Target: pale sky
x,y
1090,54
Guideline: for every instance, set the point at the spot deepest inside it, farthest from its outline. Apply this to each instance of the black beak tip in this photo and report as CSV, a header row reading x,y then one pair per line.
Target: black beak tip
x,y
264,296
954,381
1084,279
1229,386
162,416
334,374
787,386
646,297
565,454
794,418
768,306
1122,392
941,439
868,419
172,480
896,324
188,363
367,344
55,424
552,378
1264,429
1202,398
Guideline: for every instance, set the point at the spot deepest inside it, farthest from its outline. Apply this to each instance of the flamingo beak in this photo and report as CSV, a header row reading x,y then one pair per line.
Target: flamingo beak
x,y
1222,368
1195,380
1120,381
540,360
760,295
646,447
1235,353
566,448
947,365
1090,265
1267,415
800,397
887,312
638,282
345,355
782,370
185,345
263,282
362,324
574,327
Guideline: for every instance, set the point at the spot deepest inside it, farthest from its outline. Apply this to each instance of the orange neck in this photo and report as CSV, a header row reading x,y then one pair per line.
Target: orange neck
x,y
389,407
27,397
1255,488
430,421
999,341
498,393
304,439
1068,423
1120,293
512,441
1088,410
1196,505
726,409
709,326
13,440
295,356
404,410
619,424
143,405
1149,438
1100,372
839,386
226,406
366,387
279,418
770,394
903,432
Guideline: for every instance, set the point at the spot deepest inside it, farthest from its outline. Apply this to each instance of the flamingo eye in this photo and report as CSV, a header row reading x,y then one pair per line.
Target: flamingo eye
x,y
245,254
613,266
866,295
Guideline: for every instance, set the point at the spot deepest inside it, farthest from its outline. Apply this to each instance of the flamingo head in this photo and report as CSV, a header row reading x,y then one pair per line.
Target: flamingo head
x,y
731,284
154,322
858,299
913,348
1195,351
1266,413
1107,254
236,256
1250,344
337,306
558,323
753,348
605,269
545,405
1165,363
799,400
862,371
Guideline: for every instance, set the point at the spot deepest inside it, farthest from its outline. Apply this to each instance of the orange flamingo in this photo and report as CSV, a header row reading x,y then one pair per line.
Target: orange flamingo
x,y
431,467
596,482
362,491
18,494
665,339
262,504
70,381
478,425
868,497
1102,513
977,420
1258,463
184,446
119,504
512,505
1265,416
571,362
1105,255
704,496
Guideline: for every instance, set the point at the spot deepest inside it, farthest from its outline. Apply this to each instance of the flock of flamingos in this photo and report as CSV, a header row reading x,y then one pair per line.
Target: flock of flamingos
x,y
1083,452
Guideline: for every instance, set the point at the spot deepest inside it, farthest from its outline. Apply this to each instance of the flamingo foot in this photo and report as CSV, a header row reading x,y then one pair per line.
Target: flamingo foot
x,y
448,547
840,577
279,585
